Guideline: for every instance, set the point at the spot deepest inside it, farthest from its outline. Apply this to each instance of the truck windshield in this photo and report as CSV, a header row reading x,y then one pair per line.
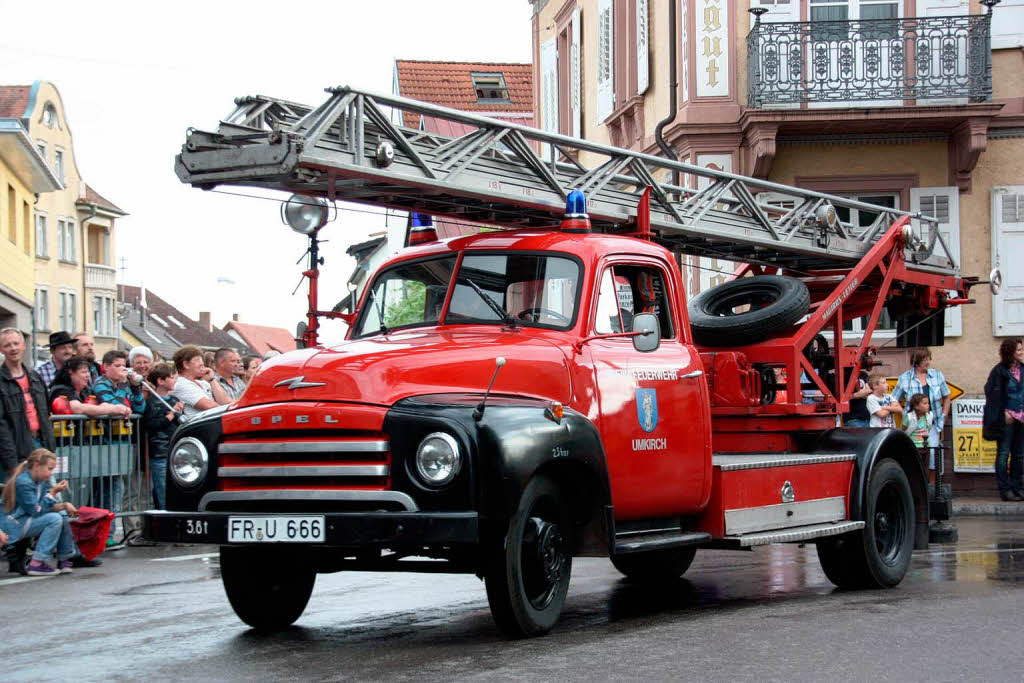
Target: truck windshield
x,y
408,295
535,290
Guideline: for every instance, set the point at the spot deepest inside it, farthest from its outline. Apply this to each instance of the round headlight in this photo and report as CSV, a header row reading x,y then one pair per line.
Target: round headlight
x,y
438,459
189,462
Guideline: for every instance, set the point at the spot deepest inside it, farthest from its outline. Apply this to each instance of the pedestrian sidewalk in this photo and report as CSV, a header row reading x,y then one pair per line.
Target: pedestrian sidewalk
x,y
986,506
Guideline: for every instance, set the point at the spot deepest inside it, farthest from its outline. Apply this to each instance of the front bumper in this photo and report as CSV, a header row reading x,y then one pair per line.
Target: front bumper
x,y
343,529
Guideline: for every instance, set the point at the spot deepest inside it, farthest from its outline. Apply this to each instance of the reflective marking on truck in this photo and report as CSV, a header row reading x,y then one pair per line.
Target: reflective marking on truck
x,y
842,297
659,444
642,374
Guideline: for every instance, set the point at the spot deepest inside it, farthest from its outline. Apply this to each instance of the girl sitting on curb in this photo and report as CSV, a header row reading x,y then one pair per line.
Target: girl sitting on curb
x,y
30,499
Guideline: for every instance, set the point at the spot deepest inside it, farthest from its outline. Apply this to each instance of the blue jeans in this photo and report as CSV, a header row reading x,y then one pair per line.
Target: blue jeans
x,y
1011,448
854,422
54,532
107,493
158,471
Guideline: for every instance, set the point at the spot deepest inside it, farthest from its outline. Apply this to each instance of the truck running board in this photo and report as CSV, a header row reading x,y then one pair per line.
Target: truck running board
x,y
658,540
791,535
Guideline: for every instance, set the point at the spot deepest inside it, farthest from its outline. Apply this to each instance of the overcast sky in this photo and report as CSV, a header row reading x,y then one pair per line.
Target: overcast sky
x,y
135,75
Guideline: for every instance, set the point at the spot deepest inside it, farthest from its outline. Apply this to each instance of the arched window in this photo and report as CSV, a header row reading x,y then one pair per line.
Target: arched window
x,y
50,115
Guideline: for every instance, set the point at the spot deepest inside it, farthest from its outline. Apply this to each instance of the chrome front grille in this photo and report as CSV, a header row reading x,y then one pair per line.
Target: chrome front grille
x,y
342,448
312,464
305,471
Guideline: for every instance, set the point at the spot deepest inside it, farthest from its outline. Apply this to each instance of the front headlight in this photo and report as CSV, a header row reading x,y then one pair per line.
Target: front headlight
x,y
438,459
189,462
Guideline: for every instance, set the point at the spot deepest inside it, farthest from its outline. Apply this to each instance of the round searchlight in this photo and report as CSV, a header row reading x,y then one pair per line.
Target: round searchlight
x,y
189,462
438,459
305,215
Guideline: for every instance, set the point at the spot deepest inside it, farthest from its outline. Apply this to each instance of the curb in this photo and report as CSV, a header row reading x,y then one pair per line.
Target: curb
x,y
988,508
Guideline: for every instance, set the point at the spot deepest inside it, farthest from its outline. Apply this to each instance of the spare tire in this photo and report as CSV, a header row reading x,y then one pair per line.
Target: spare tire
x,y
775,303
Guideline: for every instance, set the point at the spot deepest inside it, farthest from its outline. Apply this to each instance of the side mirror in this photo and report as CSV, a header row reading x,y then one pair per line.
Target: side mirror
x,y
646,322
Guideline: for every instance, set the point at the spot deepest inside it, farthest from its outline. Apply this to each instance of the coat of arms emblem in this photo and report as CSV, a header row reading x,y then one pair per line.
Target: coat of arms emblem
x,y
647,409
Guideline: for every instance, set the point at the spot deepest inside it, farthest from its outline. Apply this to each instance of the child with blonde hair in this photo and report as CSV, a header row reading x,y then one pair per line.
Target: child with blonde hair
x,y
881,407
33,504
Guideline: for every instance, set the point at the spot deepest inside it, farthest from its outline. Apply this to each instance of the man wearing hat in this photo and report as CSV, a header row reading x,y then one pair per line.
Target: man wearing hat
x,y
62,347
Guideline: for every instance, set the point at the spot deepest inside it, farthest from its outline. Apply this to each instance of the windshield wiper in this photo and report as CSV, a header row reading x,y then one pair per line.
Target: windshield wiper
x,y
379,303
504,315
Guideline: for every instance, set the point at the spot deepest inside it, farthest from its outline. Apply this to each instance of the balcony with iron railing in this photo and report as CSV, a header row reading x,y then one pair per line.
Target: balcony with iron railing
x,y
870,62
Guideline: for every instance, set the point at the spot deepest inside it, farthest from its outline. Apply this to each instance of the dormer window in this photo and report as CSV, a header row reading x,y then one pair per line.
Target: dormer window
x,y
50,115
490,87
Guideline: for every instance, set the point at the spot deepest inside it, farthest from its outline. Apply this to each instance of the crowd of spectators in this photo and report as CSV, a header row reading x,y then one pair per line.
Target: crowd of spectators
x,y
160,392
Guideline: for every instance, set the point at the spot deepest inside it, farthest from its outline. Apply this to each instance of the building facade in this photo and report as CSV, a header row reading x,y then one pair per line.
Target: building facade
x,y
912,104
24,176
73,234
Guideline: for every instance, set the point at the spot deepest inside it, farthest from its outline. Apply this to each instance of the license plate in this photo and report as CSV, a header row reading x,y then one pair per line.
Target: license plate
x,y
276,529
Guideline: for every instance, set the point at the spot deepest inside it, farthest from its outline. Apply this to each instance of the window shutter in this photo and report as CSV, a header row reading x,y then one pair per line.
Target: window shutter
x,y
642,63
943,203
1007,255
605,61
575,77
548,89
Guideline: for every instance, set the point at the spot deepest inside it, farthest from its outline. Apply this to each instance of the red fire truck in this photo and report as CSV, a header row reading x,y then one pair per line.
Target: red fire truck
x,y
507,401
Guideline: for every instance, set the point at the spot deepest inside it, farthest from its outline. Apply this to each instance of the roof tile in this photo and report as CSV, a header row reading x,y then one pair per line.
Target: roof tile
x,y
94,197
13,100
261,338
450,84
191,333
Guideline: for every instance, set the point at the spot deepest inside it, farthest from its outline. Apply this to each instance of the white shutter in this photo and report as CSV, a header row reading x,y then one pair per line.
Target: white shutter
x,y
548,89
574,77
1007,256
684,72
605,61
943,203
642,59
1008,24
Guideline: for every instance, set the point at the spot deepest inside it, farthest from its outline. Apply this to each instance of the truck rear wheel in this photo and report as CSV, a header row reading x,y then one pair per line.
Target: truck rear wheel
x,y
879,555
267,588
772,303
655,565
527,571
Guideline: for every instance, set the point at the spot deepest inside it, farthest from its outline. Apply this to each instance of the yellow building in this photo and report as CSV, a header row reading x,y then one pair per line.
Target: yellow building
x,y
23,177
913,104
73,234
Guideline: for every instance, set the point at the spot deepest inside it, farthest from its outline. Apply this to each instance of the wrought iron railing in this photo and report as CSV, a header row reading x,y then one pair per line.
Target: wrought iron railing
x,y
870,60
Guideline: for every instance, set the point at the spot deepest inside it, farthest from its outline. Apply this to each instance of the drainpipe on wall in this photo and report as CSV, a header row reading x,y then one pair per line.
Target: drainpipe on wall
x,y
85,261
672,103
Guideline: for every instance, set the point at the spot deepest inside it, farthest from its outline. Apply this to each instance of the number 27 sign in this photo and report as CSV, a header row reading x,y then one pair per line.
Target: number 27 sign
x,y
971,453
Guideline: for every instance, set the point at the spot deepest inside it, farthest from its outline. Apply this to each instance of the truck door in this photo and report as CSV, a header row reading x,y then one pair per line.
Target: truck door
x,y
654,420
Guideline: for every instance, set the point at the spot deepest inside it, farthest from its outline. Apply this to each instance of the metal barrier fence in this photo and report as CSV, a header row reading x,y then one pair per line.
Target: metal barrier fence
x,y
103,459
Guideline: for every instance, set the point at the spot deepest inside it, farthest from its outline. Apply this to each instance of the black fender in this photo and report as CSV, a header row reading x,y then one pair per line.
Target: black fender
x,y
206,427
514,440
872,445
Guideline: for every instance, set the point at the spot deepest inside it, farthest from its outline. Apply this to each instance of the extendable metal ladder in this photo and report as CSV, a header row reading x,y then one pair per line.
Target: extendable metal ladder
x,y
349,148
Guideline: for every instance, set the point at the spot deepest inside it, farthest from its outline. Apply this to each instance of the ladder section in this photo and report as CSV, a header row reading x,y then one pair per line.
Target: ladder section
x,y
499,173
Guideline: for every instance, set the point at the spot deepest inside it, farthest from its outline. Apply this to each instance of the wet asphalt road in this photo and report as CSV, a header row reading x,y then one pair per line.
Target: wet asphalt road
x,y
161,614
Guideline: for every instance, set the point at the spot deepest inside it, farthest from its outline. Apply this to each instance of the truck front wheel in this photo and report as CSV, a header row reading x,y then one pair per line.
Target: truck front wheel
x,y
880,554
655,565
267,588
527,571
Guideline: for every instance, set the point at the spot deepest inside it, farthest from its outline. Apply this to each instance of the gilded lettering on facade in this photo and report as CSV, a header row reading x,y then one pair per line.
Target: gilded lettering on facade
x,y
712,52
